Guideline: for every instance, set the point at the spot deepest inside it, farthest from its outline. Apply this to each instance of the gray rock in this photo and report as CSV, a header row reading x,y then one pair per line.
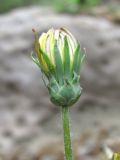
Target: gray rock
x,y
25,110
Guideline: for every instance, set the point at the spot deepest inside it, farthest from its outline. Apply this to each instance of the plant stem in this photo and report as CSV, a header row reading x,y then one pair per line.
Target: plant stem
x,y
66,130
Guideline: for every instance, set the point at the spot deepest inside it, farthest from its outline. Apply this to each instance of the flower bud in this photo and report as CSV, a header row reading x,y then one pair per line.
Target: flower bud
x,y
59,57
116,156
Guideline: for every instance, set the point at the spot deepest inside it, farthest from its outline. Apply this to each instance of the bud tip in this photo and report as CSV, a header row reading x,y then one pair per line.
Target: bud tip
x,y
33,30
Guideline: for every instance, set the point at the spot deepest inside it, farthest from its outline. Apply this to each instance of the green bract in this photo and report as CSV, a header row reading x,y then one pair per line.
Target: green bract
x,y
59,57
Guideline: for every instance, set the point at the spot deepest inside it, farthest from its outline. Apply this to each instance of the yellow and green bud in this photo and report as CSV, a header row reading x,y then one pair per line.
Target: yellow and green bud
x,y
116,156
59,57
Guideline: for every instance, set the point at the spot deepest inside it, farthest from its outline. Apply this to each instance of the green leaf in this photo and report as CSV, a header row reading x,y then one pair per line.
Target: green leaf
x,y
58,63
76,61
66,59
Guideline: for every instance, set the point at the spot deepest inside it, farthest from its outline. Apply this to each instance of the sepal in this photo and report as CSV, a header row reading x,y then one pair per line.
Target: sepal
x,y
66,94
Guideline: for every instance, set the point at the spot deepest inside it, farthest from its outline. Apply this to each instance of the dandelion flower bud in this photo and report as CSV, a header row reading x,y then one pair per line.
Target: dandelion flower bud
x,y
59,57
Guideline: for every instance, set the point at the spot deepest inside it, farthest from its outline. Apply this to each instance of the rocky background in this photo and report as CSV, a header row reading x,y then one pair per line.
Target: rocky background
x,y
30,126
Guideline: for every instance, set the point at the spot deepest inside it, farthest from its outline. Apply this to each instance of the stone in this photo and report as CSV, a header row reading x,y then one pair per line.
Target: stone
x,y
26,113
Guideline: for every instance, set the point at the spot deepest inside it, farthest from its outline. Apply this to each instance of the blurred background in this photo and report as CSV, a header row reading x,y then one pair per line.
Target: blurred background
x,y
30,125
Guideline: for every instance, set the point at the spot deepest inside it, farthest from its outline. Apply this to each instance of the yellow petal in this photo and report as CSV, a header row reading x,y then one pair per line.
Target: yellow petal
x,y
56,34
61,45
70,43
71,40
60,41
70,35
51,44
42,41
49,41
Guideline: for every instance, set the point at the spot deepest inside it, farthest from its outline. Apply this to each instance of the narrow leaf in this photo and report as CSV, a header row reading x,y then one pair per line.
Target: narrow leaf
x,y
66,57
58,63
76,61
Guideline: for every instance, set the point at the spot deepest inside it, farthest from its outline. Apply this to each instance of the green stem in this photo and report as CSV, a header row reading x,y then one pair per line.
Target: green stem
x,y
66,130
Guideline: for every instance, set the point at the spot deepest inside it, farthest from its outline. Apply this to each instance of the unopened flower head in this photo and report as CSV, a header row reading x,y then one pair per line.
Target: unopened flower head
x,y
116,156
59,57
